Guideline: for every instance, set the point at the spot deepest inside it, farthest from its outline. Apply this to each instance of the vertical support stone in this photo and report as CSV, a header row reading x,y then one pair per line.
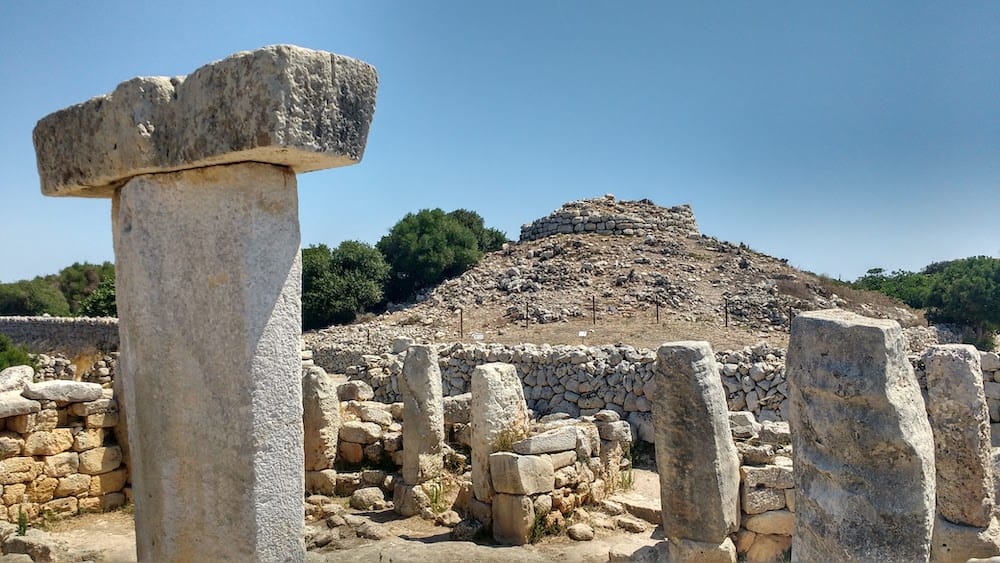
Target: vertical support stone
x,y
423,416
499,414
208,282
862,445
320,420
205,215
695,454
965,527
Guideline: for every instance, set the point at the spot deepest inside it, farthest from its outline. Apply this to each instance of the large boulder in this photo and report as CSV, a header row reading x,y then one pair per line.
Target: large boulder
x,y
863,449
16,378
499,416
695,455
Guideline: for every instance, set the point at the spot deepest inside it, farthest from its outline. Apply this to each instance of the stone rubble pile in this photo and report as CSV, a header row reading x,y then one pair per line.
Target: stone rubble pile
x,y
58,453
605,216
57,366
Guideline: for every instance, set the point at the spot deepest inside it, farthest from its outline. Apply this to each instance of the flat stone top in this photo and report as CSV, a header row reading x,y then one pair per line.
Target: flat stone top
x,y
846,318
282,105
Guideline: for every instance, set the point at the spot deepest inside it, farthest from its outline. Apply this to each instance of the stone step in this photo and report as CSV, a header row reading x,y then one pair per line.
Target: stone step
x,y
641,507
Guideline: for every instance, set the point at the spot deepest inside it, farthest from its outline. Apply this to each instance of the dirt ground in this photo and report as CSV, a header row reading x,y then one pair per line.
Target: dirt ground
x,y
110,538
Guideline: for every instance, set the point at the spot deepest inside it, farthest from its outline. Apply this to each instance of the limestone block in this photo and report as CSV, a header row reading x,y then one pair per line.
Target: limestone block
x,y
555,440
758,500
46,419
691,551
103,503
355,391
560,459
13,404
39,545
360,432
498,413
521,475
619,431
771,476
107,483
15,378
48,443
351,452
366,498
423,415
282,105
768,548
102,419
24,423
513,519
863,449
11,444
320,421
321,482
777,522
409,500
62,391
61,465
696,458
743,424
73,485
956,406
42,489
61,507
989,361
87,438
13,493
458,409
100,460
102,405
954,543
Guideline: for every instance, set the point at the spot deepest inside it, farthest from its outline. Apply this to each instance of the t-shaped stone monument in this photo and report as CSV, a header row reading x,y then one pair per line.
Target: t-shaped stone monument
x,y
201,170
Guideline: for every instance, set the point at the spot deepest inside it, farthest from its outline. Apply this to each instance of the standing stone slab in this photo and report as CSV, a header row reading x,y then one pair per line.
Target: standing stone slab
x,y
956,405
863,449
207,280
423,416
320,420
695,454
201,171
498,411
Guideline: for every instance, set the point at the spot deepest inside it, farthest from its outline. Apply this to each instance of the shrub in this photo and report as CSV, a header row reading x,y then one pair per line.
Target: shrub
x,y
13,355
32,298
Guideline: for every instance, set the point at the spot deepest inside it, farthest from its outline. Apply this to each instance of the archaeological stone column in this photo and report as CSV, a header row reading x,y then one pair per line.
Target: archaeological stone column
x,y
423,427
956,406
201,170
862,446
695,455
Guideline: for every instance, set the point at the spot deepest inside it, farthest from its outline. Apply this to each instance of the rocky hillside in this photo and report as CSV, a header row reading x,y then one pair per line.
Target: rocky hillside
x,y
623,271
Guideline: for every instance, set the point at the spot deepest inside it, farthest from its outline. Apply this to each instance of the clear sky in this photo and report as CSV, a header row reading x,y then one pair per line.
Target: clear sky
x,y
841,136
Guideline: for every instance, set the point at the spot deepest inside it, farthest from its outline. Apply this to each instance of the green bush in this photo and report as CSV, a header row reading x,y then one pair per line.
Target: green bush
x,y
339,284
32,298
101,302
12,355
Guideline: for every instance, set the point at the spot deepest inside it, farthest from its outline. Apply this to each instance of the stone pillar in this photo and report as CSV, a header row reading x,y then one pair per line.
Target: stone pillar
x,y
499,414
205,215
956,405
423,416
695,455
320,420
862,445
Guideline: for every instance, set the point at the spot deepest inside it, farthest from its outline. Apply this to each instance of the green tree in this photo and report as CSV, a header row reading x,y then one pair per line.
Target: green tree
x,y
425,248
31,298
340,283
911,288
487,239
12,355
79,280
967,292
101,302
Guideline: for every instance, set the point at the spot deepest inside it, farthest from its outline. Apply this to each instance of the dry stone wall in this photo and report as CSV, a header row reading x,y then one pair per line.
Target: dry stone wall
x,y
605,216
66,335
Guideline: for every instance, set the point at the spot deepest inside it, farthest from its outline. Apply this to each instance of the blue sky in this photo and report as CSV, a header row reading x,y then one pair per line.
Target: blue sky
x,y
842,138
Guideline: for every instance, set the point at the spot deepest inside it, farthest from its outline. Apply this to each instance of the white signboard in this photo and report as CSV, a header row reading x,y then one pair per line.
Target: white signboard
x,y
583,334
477,336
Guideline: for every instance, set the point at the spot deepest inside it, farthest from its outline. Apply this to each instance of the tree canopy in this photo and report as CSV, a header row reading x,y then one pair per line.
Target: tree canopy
x,y
340,283
102,301
32,298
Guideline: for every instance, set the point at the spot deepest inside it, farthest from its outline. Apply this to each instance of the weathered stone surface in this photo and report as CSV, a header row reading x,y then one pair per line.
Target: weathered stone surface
x,y
11,444
743,424
580,532
498,412
690,551
320,420
695,455
39,545
769,548
863,449
513,518
952,543
282,105
87,438
13,404
960,420
61,390
409,500
15,378
72,485
366,498
555,440
100,460
619,431
458,409
61,465
776,476
758,500
99,406
521,474
360,432
777,522
107,483
423,415
355,391
48,443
